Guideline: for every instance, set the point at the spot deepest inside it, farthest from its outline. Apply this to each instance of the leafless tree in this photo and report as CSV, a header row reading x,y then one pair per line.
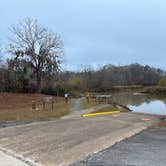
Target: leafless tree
x,y
1,55
38,46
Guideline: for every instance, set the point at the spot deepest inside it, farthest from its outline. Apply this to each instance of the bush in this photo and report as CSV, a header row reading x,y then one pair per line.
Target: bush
x,y
49,91
162,81
33,88
55,91
156,90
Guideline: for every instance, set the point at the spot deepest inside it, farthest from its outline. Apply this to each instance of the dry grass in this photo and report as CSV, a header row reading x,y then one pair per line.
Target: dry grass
x,y
17,107
162,124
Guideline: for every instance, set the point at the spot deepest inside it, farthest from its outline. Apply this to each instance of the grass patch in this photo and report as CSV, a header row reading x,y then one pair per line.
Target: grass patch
x,y
127,88
110,108
155,90
17,107
86,105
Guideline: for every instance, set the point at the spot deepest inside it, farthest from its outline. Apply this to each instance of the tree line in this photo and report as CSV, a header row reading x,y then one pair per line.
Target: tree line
x,y
35,66
109,76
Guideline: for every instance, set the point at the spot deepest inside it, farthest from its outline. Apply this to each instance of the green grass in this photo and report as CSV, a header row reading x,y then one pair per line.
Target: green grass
x,y
86,105
156,90
110,108
127,88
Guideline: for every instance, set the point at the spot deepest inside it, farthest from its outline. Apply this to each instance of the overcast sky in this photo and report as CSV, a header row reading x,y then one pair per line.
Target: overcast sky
x,y
97,32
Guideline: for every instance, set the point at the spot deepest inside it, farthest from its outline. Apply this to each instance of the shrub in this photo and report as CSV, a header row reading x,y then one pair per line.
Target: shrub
x,y
162,81
55,91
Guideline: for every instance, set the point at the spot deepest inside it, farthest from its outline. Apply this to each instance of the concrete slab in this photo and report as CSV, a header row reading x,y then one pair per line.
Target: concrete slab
x,y
6,160
68,140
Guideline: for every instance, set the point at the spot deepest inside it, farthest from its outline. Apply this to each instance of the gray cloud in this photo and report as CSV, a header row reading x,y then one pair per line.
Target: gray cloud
x,y
98,31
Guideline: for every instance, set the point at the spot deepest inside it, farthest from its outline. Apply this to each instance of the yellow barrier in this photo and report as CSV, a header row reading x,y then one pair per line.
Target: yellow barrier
x,y
101,113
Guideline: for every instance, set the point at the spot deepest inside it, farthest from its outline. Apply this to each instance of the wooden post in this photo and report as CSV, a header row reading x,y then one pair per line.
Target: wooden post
x,y
52,105
44,105
33,105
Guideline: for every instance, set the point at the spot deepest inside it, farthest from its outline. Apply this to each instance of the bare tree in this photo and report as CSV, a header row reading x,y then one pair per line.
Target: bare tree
x,y
1,60
38,46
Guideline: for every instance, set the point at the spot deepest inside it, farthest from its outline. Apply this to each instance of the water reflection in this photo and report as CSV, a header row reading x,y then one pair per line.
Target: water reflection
x,y
142,103
154,107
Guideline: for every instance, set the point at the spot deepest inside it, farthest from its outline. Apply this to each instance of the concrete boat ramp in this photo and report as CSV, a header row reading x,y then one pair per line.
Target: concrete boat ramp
x,y
67,140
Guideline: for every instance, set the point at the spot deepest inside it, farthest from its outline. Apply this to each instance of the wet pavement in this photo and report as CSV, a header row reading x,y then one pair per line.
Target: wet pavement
x,y
9,124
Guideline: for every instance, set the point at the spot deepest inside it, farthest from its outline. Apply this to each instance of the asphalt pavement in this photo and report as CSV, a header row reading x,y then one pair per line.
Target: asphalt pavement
x,y
145,149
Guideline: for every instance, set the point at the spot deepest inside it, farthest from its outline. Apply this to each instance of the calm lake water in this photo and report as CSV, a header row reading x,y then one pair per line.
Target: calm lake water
x,y
142,103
